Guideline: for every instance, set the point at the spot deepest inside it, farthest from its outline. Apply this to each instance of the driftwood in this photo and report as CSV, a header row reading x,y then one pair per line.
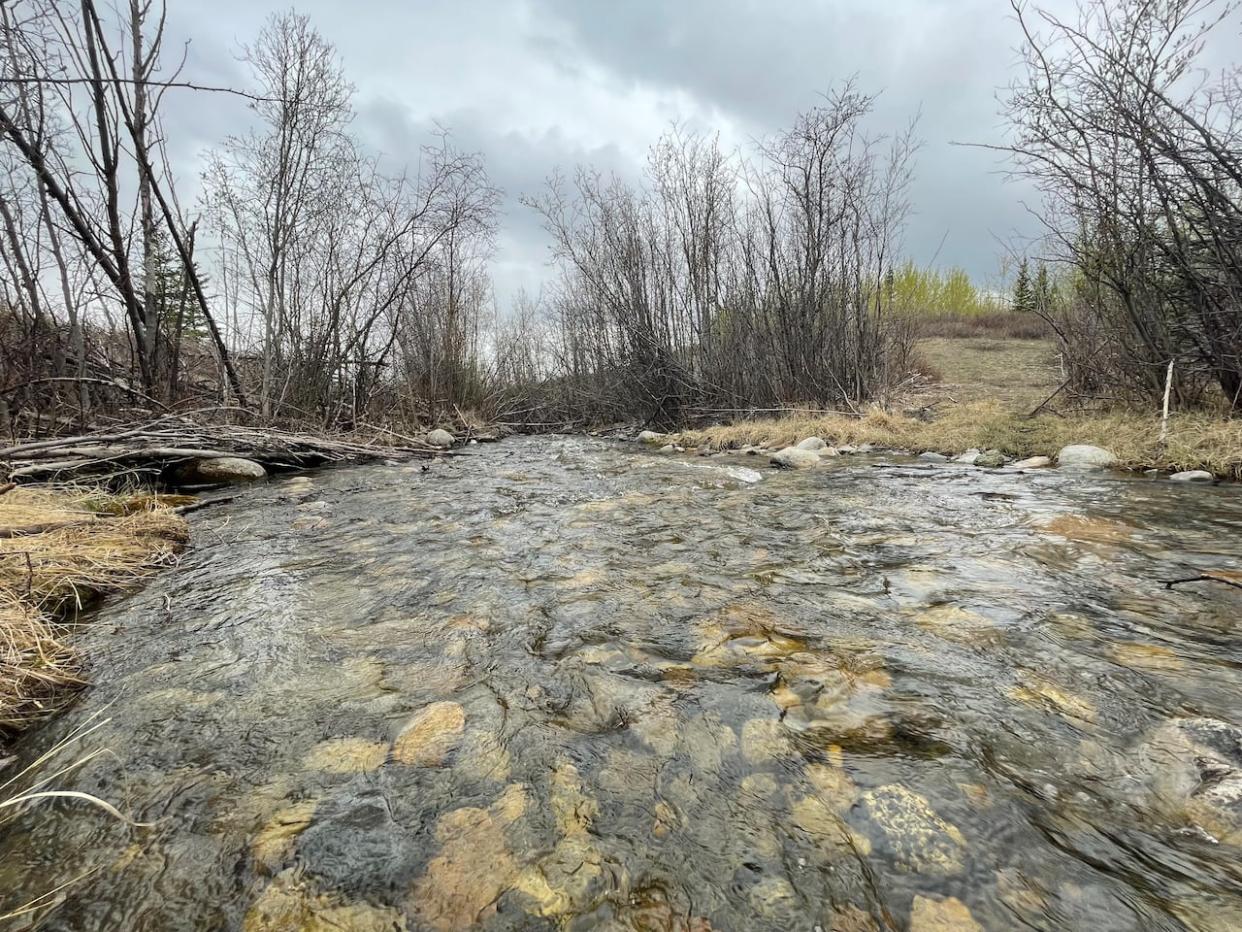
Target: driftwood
x,y
1226,577
157,446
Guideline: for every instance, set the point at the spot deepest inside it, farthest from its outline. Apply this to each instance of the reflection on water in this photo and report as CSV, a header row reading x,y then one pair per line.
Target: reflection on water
x,y
566,684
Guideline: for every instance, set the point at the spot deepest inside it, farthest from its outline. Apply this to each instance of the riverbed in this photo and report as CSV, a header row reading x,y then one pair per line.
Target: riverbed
x,y
571,683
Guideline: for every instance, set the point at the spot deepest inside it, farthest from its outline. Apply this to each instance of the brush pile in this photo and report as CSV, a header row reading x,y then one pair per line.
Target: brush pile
x,y
158,449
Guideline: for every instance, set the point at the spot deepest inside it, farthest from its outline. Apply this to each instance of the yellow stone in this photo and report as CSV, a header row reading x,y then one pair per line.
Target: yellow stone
x,y
1150,657
1083,529
274,841
666,819
431,735
346,755
574,809
834,786
784,697
561,884
956,623
949,915
474,866
288,905
1037,690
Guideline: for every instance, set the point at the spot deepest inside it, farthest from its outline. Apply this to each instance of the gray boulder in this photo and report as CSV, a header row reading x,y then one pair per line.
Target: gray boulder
x,y
440,438
650,436
1195,475
1034,462
793,458
814,444
1085,456
969,457
220,469
932,457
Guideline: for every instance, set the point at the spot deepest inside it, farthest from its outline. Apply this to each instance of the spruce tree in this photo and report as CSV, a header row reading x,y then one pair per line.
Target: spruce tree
x,y
1023,293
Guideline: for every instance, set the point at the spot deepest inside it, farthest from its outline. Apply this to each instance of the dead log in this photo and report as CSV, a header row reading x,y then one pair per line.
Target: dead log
x,y
162,445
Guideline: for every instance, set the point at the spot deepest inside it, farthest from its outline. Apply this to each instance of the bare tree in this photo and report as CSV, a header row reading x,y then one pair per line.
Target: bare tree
x,y
1138,153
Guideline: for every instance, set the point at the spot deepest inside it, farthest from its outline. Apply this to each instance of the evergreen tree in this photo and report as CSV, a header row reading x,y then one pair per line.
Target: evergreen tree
x,y
1023,292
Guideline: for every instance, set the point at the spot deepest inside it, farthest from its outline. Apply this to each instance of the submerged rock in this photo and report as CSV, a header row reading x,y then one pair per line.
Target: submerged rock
x,y
474,866
273,843
1194,475
1085,456
951,915
814,444
1195,765
1034,462
440,438
431,735
289,905
919,838
793,458
220,469
346,755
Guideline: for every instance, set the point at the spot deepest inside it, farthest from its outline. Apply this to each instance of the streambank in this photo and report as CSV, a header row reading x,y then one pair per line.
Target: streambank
x,y
1194,443
60,549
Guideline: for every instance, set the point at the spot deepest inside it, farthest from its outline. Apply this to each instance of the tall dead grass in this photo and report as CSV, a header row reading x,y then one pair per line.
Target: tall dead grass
x,y
1195,441
58,549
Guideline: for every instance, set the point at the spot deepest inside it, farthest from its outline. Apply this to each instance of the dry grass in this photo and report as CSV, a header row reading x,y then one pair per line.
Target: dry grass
x,y
58,548
998,325
1195,441
1017,373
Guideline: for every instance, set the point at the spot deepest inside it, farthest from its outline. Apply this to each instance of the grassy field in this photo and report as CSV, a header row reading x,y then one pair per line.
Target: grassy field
x,y
1018,374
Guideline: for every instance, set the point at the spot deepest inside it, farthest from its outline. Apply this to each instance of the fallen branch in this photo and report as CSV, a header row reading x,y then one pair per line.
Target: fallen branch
x,y
169,441
1224,578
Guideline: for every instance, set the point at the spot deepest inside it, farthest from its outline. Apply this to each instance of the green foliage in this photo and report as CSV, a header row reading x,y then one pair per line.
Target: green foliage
x,y
914,290
1024,299
173,294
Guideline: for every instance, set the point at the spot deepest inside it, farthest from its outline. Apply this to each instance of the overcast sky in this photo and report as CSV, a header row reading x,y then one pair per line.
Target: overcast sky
x,y
539,84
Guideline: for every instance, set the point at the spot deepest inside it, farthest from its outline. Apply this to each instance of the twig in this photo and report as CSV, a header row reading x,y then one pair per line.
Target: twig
x,y
1178,582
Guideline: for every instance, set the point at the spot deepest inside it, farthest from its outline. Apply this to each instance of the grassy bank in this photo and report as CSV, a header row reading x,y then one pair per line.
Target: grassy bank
x,y
1195,441
59,548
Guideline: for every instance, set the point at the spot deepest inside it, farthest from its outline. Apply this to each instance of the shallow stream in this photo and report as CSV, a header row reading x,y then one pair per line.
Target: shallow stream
x,y
567,683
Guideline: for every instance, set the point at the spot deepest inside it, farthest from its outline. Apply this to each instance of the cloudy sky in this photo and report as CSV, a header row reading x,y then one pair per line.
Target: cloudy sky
x,y
539,84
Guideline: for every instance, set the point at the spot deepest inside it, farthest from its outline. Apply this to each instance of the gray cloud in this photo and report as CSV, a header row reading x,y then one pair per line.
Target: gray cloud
x,y
542,84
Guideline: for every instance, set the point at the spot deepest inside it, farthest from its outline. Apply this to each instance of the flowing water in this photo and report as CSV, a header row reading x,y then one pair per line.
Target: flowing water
x,y
566,683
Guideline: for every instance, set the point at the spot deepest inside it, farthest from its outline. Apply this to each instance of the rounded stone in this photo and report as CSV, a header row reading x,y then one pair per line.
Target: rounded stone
x,y
793,458
1085,456
440,438
1194,475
